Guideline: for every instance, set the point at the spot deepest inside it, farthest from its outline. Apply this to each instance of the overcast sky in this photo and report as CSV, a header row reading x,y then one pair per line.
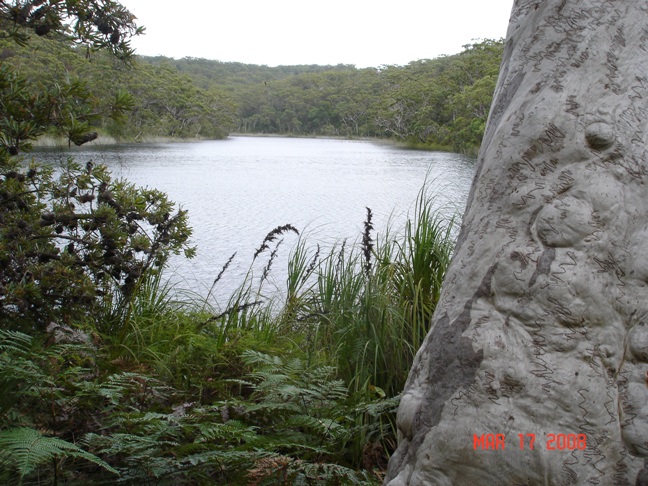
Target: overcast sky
x,y
285,32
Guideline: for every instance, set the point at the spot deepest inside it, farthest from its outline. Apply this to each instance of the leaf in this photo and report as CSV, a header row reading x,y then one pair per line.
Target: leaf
x,y
379,392
28,449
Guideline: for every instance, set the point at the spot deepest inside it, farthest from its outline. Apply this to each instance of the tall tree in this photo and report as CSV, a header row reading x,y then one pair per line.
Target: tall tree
x,y
539,344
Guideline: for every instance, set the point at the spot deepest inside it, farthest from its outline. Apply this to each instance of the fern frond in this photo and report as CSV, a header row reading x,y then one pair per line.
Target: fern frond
x,y
251,357
14,341
28,449
226,458
273,407
230,431
331,474
324,428
19,373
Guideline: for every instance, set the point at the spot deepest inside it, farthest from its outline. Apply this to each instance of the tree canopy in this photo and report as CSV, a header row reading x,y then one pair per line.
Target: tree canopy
x,y
439,102
95,24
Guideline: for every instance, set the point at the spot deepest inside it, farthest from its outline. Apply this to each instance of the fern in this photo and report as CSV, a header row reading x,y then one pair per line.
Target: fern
x,y
14,341
330,474
293,381
137,457
281,470
27,449
232,431
18,373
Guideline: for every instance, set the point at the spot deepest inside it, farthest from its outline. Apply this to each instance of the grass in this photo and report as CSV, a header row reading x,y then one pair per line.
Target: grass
x,y
299,385
367,307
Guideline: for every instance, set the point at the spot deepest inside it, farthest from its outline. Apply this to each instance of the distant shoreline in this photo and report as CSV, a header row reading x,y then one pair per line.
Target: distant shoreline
x,y
48,141
102,140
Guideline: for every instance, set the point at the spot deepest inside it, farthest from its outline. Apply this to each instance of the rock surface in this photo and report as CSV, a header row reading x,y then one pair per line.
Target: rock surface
x,y
542,326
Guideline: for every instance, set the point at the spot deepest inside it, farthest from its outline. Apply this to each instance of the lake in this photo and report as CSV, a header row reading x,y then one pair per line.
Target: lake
x,y
239,189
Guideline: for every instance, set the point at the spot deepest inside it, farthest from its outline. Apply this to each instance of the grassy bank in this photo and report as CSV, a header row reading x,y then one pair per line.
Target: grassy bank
x,y
297,388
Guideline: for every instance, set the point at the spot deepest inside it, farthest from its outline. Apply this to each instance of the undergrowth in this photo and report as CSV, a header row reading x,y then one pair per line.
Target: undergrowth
x,y
297,388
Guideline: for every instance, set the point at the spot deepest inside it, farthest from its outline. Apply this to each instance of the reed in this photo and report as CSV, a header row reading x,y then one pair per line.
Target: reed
x,y
367,307
364,308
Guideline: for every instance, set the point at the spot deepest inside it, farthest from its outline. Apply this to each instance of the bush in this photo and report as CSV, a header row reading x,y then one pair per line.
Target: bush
x,y
78,242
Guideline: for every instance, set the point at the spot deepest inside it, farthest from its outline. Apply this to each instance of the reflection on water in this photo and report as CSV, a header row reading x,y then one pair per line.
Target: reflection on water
x,y
239,189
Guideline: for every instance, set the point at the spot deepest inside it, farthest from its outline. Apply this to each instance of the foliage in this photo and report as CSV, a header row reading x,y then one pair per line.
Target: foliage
x,y
134,102
75,241
24,450
65,108
440,102
97,24
301,390
168,104
33,382
290,414
369,306
106,376
72,244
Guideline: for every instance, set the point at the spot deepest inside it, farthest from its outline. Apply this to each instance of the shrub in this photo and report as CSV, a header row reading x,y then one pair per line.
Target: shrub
x,y
77,241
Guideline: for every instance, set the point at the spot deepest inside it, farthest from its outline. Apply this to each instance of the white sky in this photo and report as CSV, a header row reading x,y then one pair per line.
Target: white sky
x,y
287,32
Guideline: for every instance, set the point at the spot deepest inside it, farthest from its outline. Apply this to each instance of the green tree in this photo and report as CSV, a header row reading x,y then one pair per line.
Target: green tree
x,y
95,24
470,108
76,241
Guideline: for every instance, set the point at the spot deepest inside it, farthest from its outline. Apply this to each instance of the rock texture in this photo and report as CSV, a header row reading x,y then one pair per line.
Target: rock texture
x,y
542,326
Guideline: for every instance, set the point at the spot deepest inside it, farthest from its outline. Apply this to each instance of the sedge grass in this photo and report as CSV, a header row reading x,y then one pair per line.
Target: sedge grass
x,y
371,305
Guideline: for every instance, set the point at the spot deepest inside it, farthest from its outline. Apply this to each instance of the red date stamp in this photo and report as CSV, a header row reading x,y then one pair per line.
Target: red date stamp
x,y
554,442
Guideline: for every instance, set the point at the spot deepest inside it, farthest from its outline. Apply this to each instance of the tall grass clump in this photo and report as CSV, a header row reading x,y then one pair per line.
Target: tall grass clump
x,y
370,305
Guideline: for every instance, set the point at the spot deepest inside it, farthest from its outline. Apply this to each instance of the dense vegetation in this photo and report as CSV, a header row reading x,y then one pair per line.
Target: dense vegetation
x,y
108,376
298,389
160,101
441,103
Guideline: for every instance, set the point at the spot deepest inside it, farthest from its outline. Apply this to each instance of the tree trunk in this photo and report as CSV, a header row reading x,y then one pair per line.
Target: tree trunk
x,y
542,327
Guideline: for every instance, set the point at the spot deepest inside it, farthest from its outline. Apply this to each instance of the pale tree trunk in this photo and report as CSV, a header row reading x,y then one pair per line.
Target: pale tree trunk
x,y
542,327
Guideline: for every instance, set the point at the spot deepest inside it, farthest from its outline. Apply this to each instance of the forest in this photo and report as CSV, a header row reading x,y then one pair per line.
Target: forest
x,y
438,103
108,375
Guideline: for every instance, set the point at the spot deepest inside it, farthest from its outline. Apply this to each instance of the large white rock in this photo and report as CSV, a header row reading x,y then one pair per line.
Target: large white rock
x,y
542,326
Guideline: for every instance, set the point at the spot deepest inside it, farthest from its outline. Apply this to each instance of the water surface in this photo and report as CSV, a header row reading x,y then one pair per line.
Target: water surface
x,y
237,190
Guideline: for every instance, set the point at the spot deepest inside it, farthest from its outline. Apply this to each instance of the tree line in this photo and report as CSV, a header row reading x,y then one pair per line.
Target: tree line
x,y
439,103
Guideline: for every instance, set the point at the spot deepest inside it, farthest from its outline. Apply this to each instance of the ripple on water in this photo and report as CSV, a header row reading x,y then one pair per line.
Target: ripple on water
x,y
237,190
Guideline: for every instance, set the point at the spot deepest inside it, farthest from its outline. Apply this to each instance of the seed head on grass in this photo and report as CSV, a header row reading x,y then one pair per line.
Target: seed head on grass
x,y
340,258
225,267
273,235
311,266
367,242
266,269
220,275
230,310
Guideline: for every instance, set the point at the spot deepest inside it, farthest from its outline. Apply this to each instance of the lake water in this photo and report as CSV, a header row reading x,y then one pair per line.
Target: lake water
x,y
237,190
